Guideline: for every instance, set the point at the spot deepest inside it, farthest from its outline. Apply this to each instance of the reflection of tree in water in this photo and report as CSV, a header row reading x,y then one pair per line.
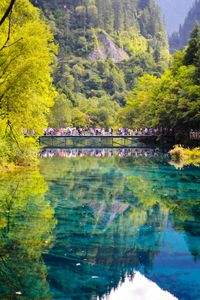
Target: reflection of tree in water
x,y
26,223
110,223
180,194
178,191
111,217
186,219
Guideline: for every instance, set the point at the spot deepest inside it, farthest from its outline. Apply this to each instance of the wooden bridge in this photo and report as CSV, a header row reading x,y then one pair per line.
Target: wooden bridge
x,y
113,141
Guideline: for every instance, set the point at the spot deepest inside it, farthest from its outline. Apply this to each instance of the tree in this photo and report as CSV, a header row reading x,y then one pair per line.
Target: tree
x,y
7,12
26,91
171,101
78,26
60,115
191,56
140,110
26,225
80,119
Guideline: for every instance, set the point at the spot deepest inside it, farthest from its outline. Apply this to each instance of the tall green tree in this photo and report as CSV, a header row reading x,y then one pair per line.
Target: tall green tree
x,y
27,52
192,51
172,100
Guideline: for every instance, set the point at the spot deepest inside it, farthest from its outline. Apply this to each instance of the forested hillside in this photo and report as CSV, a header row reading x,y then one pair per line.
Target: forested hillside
x,y
172,101
180,39
105,45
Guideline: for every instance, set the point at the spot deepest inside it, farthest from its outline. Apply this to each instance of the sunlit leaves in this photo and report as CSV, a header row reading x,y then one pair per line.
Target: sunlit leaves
x,y
172,100
27,52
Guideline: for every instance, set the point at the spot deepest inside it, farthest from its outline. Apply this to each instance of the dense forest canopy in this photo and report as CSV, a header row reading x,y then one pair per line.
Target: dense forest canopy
x,y
110,15
172,100
104,46
26,54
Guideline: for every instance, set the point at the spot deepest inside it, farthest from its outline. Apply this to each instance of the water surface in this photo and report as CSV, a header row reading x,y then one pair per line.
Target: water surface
x,y
99,227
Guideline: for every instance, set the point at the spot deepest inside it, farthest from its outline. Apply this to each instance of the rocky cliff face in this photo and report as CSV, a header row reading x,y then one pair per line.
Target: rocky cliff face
x,y
107,49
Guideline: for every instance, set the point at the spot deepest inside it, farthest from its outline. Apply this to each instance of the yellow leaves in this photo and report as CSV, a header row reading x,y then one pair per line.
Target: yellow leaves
x,y
133,41
26,225
183,157
80,10
22,193
137,216
26,90
3,222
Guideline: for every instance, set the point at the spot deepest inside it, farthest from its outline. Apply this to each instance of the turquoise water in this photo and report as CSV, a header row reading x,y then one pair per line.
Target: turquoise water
x,y
82,228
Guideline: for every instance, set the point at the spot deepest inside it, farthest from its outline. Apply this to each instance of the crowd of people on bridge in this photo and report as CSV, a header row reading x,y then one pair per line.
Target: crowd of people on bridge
x,y
195,134
79,131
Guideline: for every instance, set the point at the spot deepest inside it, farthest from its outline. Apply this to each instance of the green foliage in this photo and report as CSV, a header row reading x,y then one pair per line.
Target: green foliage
x,y
192,52
4,151
141,99
96,112
183,156
134,27
60,115
172,100
26,92
80,119
26,225
132,42
24,150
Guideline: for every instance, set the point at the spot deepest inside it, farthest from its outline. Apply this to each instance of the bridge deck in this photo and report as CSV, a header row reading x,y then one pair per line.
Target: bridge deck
x,y
96,141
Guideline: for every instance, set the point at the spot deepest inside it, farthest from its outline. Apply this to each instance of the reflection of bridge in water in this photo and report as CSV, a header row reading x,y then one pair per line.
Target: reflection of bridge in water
x,y
102,153
113,141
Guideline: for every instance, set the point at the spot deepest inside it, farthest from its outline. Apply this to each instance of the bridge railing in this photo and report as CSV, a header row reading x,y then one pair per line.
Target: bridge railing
x,y
96,141
195,135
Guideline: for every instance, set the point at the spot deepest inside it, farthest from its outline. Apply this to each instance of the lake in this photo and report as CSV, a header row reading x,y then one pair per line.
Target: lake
x,y
100,224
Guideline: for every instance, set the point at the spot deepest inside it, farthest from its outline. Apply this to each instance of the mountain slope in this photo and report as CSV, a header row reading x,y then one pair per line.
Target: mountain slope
x,y
174,12
180,39
105,45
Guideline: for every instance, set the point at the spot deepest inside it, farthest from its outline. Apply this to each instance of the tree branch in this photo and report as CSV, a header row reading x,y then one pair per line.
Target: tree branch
x,y
13,135
9,45
9,9
9,31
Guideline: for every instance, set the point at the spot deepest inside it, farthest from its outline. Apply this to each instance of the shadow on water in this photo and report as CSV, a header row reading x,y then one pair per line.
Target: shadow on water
x,y
104,226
